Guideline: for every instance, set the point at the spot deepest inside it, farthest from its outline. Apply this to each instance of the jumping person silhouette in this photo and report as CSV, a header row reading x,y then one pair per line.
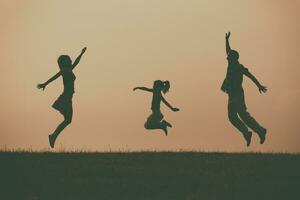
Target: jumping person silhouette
x,y
64,102
155,120
232,85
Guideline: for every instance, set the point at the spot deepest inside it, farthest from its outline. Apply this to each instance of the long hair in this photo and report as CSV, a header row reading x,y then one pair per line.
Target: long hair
x,y
166,86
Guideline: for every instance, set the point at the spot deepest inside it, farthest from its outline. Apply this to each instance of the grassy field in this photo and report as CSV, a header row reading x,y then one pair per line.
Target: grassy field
x,y
149,176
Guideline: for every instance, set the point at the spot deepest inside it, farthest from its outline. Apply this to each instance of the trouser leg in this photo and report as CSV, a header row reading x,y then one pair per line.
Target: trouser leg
x,y
235,120
250,121
245,116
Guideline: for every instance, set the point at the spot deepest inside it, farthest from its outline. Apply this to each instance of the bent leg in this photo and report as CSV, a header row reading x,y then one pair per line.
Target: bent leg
x,y
237,123
154,125
254,125
67,120
155,121
235,120
250,121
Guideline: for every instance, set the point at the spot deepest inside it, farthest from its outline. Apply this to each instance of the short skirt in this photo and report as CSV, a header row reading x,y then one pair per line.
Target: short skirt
x,y
63,103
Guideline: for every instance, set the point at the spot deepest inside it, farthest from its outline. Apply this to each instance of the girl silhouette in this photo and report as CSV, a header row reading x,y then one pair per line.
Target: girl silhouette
x,y
232,85
64,102
155,120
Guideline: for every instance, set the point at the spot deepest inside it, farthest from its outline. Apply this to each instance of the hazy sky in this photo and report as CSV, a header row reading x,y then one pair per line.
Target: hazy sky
x,y
134,42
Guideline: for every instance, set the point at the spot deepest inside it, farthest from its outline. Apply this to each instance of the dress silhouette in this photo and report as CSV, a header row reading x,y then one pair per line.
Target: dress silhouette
x,y
64,102
155,120
232,85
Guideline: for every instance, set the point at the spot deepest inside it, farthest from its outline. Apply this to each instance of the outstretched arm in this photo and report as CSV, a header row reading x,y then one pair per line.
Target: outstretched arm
x,y
169,105
78,58
228,49
143,88
261,88
43,85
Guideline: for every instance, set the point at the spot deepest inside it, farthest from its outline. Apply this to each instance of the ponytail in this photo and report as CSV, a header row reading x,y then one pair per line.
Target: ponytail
x,y
166,86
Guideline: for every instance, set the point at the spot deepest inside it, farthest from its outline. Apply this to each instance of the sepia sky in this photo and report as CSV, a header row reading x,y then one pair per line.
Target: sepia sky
x,y
134,42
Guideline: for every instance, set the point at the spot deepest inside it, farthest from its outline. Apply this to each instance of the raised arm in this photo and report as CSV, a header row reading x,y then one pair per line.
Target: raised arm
x,y
169,105
78,58
261,88
143,88
228,49
43,85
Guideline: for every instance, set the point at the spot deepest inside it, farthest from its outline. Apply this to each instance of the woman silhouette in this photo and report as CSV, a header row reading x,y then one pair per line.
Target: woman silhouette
x,y
155,120
64,102
237,109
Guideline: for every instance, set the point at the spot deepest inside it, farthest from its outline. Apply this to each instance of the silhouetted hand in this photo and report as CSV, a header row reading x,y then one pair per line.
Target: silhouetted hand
x,y
227,36
175,109
83,50
41,86
262,88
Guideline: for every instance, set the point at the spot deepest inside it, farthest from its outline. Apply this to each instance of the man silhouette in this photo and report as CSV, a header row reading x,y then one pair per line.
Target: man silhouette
x,y
232,85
